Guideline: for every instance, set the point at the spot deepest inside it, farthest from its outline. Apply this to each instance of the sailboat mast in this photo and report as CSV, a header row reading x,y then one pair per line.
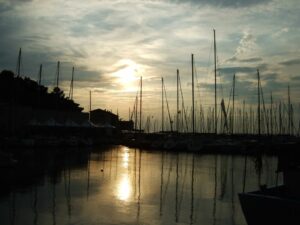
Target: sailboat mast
x,y
244,130
289,110
258,102
40,74
193,97
162,104
215,60
71,85
129,114
136,115
57,74
271,114
18,71
141,93
90,106
177,105
233,94
280,119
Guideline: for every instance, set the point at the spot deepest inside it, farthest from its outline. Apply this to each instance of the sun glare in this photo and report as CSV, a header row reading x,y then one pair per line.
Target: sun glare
x,y
128,74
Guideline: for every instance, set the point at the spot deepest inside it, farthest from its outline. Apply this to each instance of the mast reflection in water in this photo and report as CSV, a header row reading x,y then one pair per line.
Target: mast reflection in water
x,y
120,185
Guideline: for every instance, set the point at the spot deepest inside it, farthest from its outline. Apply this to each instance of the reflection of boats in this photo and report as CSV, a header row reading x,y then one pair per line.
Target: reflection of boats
x,y
6,160
276,205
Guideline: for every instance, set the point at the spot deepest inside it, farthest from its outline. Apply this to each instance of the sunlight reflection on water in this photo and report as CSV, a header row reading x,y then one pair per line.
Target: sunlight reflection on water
x,y
124,189
125,157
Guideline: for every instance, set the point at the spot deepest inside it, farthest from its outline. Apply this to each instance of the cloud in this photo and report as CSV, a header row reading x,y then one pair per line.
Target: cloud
x,y
295,78
291,62
225,3
247,44
157,35
281,31
235,70
246,50
246,60
269,76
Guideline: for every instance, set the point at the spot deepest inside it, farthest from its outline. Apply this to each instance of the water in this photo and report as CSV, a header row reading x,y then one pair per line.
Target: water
x,y
120,185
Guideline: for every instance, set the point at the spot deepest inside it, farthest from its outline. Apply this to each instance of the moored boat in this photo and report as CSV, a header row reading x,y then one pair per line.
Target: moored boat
x,y
276,205
270,206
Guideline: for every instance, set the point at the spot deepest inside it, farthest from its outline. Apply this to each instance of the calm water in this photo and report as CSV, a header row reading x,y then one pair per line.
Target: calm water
x,y
120,185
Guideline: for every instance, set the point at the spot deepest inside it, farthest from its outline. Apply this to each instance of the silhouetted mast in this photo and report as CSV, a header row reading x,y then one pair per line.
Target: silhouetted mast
x,y
258,102
193,98
90,106
215,59
135,112
244,128
289,110
177,105
162,104
71,85
141,92
280,119
233,94
18,70
40,74
57,74
271,114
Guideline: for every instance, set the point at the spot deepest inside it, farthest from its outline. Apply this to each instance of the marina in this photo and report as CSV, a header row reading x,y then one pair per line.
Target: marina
x,y
149,112
117,185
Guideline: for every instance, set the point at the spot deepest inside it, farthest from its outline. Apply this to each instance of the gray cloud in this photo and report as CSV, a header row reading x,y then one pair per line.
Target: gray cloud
x,y
291,62
295,78
269,76
233,70
225,3
5,7
248,60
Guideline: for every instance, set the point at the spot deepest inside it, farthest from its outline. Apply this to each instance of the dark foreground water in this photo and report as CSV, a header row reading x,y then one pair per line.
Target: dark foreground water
x,y
120,185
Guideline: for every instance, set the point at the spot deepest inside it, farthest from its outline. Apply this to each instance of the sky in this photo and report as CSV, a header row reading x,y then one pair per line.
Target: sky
x,y
113,43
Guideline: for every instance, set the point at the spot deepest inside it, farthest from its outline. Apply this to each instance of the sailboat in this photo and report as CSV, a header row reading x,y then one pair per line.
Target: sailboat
x,y
279,204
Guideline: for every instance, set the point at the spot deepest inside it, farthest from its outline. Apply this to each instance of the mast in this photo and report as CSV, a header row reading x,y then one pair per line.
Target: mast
x,y
289,111
233,94
162,104
177,105
141,93
258,102
136,118
244,130
129,114
90,106
193,97
57,74
71,85
40,74
18,70
271,114
215,60
280,119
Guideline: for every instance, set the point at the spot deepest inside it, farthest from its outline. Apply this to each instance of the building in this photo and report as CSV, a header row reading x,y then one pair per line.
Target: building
x,y
101,118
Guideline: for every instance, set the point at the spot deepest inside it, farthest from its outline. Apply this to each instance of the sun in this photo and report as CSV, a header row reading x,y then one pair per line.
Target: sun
x,y
128,74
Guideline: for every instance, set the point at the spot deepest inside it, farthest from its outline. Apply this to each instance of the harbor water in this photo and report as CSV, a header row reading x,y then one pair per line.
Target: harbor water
x,y
121,185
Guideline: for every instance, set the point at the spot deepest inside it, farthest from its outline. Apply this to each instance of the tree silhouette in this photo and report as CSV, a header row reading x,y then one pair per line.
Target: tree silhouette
x,y
26,92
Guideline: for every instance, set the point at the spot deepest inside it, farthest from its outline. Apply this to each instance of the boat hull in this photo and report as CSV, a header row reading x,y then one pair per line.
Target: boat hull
x,y
270,206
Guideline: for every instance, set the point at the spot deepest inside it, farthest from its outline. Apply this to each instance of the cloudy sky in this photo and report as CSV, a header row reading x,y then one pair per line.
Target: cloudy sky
x,y
113,43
